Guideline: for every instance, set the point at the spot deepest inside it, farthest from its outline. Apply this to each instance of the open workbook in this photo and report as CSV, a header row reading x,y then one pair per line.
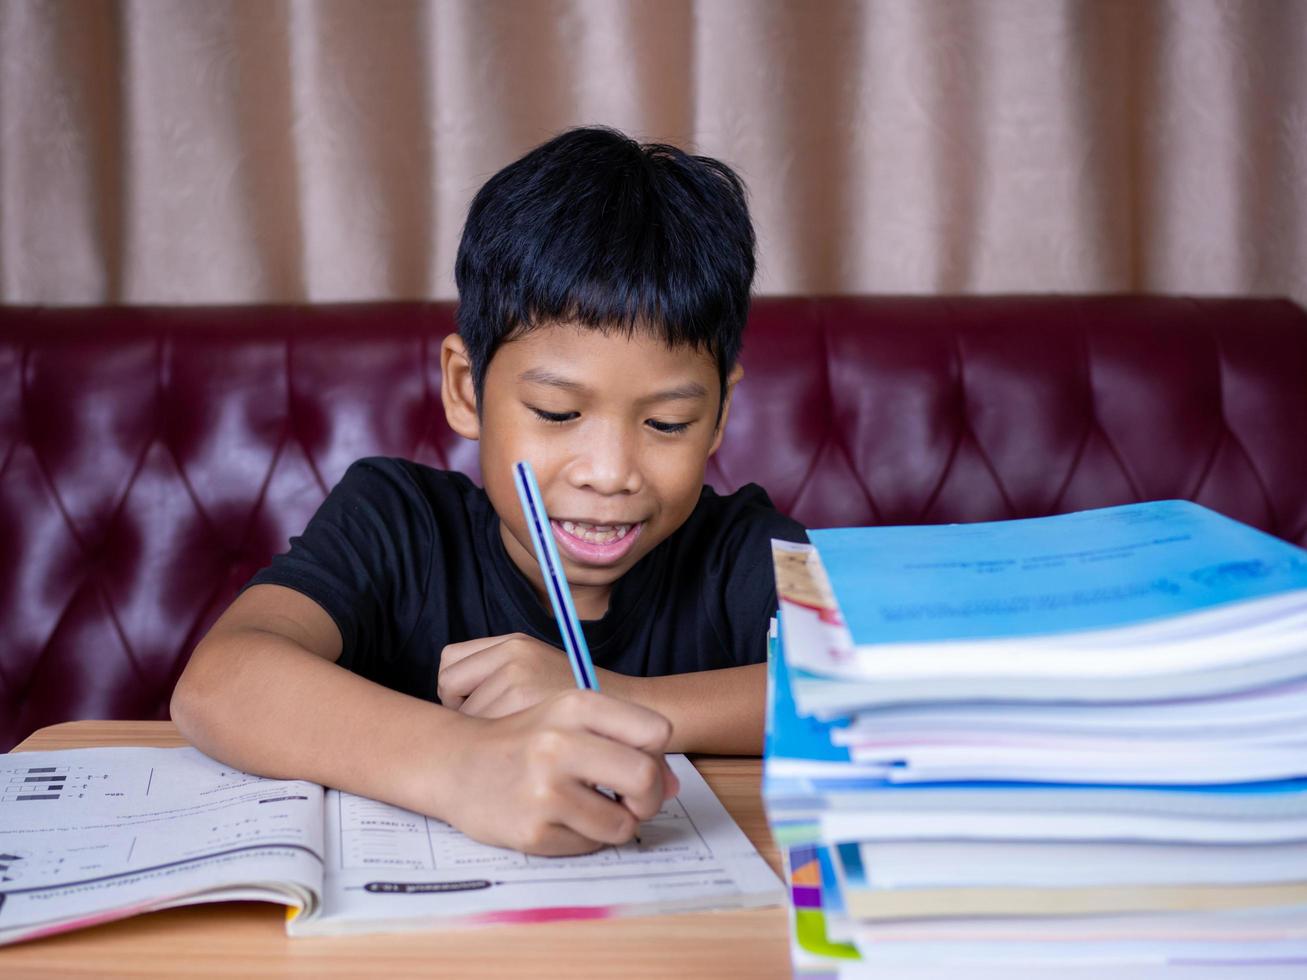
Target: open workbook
x,y
90,835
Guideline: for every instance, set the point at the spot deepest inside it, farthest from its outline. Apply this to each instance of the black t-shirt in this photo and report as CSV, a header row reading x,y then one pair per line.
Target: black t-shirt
x,y
407,559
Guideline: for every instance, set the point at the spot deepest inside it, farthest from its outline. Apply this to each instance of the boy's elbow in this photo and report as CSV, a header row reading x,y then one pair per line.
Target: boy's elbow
x,y
186,704
180,704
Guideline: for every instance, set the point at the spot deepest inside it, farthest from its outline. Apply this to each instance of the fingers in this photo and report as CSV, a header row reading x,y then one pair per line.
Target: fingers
x,y
456,680
671,782
597,817
454,652
636,776
622,721
585,819
532,775
523,660
494,698
556,840
564,813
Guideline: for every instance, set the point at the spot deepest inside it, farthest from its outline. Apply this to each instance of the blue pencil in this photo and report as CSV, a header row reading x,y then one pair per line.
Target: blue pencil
x,y
560,595
551,568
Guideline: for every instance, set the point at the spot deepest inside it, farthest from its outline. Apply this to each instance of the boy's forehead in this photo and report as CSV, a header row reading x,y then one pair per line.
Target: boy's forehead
x,y
565,343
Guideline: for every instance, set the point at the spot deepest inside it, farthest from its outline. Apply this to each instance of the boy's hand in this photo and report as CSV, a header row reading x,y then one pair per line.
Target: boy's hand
x,y
527,780
499,675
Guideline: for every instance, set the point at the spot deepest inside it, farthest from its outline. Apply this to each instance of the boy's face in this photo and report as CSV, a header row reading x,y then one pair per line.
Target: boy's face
x,y
618,430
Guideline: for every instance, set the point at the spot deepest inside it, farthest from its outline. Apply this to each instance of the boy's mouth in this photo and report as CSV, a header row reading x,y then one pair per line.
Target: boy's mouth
x,y
595,544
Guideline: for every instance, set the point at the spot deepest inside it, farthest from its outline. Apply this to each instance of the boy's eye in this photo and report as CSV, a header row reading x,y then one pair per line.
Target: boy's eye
x,y
557,417
669,427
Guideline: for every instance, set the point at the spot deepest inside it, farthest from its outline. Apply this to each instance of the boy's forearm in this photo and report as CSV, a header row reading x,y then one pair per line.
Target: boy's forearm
x,y
716,711
258,701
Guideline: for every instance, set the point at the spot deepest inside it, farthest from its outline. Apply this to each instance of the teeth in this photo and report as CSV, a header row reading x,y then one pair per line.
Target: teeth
x,y
596,533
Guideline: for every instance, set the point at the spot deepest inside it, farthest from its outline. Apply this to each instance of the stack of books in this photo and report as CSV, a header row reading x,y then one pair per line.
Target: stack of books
x,y
1069,742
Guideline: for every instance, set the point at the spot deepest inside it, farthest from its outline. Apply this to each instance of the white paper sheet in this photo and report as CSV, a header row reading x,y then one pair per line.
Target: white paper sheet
x,y
391,869
91,835
94,834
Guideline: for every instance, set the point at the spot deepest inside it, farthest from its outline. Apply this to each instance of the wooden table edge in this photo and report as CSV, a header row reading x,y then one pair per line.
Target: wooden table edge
x,y
741,943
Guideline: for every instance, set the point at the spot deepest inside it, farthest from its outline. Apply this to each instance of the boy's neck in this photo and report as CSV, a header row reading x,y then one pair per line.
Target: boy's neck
x,y
591,601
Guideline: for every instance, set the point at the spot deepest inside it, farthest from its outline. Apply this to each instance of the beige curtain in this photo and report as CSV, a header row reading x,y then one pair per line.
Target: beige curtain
x,y
194,151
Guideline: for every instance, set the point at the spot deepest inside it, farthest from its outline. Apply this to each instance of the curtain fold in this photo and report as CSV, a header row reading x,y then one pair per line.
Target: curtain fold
x,y
167,151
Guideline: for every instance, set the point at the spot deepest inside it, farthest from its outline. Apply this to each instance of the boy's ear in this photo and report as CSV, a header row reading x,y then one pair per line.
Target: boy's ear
x,y
732,380
457,391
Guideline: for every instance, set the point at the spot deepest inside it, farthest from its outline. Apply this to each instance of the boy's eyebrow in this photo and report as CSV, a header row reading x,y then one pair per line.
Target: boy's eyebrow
x,y
541,376
681,392
691,389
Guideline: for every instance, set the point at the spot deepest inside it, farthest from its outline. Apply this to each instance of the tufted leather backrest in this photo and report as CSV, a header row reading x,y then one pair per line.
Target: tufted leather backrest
x,y
152,459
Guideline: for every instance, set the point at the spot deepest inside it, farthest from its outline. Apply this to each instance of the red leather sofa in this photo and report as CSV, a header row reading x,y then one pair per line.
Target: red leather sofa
x,y
151,459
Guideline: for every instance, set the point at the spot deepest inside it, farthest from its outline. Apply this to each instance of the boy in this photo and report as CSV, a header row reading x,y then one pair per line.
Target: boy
x,y
403,648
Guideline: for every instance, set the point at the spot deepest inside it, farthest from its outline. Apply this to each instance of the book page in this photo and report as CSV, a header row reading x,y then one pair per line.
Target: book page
x,y
92,834
390,869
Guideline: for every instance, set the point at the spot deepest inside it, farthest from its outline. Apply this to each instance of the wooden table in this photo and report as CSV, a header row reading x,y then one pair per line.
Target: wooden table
x,y
248,938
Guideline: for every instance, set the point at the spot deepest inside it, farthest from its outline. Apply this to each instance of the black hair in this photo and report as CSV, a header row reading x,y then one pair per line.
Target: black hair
x,y
597,229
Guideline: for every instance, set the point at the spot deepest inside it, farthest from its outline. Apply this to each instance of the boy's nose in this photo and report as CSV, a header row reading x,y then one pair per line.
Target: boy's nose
x,y
608,466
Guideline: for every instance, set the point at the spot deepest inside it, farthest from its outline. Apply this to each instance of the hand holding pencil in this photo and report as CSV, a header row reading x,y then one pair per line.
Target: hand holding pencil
x,y
561,739
560,596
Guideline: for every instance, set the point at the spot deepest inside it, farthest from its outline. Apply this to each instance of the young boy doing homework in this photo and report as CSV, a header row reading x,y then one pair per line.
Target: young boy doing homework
x,y
403,648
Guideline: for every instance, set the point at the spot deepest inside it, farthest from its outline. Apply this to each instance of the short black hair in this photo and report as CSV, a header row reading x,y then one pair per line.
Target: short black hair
x,y
597,229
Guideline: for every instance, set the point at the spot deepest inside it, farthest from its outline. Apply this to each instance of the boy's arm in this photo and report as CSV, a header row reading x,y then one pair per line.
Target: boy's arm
x,y
716,711
262,692
722,712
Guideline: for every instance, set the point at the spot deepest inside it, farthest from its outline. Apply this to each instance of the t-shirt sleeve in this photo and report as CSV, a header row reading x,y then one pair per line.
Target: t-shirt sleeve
x,y
364,558
748,593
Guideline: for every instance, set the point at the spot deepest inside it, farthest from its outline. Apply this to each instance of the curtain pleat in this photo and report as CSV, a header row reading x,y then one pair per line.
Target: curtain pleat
x,y
169,151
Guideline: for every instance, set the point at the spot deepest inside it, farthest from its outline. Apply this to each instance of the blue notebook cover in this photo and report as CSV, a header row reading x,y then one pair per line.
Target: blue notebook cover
x,y
788,734
1093,569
